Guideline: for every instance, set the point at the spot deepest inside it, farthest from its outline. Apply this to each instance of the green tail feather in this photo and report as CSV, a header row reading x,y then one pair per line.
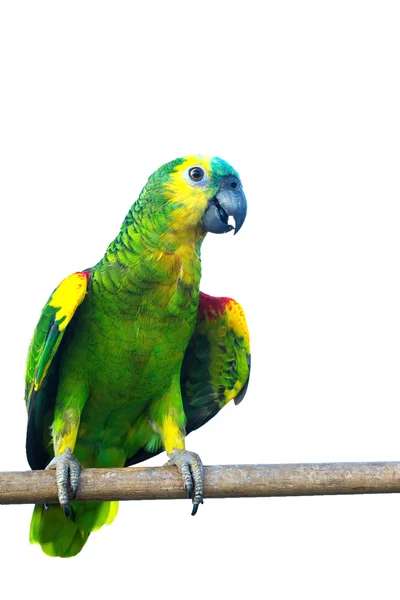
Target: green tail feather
x,y
59,536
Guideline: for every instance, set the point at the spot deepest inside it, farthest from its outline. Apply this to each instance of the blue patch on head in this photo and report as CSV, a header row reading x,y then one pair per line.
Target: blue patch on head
x,y
220,168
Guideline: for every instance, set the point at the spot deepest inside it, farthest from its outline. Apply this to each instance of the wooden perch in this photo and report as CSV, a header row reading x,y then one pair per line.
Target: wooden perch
x,y
226,481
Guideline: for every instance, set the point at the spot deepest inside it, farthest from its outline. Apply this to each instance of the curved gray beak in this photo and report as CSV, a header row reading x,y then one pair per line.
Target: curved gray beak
x,y
229,201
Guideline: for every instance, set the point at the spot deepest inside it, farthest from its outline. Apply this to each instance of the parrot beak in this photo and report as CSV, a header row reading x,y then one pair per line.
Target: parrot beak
x,y
229,201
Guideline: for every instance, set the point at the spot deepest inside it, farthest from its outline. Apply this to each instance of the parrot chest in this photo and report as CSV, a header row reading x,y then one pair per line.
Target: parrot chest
x,y
130,350
127,343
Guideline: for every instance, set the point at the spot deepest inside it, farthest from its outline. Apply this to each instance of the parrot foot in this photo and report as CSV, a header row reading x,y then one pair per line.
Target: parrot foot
x,y
191,468
68,470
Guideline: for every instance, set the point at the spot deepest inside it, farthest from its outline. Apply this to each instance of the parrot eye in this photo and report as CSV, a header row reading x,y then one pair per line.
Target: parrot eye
x,y
196,173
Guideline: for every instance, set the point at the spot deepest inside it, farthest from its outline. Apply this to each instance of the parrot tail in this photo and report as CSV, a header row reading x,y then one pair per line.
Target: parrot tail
x,y
62,536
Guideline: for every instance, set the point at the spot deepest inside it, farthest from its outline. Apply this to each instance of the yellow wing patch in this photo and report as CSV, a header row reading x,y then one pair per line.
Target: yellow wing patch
x,y
50,330
68,296
237,322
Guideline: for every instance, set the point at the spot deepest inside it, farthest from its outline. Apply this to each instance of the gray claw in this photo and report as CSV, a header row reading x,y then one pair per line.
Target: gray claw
x,y
191,468
68,470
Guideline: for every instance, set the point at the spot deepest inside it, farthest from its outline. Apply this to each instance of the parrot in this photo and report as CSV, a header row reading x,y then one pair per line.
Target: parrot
x,y
129,356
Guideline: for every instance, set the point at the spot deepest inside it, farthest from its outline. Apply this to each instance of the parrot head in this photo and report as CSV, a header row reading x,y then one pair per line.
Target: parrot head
x,y
199,192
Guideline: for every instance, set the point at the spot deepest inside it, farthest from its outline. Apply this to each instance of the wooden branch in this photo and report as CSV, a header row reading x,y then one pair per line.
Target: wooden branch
x,y
227,481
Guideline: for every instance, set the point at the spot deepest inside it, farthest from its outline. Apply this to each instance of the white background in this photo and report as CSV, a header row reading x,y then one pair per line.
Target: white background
x,y
303,99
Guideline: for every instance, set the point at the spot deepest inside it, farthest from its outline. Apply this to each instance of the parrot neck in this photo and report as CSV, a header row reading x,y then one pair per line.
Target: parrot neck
x,y
154,252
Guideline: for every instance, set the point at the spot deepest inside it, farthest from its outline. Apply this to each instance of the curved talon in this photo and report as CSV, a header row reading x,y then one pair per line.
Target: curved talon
x,y
191,468
68,471
195,507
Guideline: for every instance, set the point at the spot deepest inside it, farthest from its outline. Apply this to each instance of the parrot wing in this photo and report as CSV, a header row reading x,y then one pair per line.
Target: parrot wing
x,y
216,366
42,362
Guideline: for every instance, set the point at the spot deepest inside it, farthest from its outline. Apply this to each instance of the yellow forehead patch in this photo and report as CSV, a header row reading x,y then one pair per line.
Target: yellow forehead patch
x,y
195,160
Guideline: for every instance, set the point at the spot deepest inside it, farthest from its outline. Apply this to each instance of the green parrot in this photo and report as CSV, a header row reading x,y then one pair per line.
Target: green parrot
x,y
129,357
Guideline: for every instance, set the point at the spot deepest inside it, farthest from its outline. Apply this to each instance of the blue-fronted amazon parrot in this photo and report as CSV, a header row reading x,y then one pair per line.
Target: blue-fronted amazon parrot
x,y
129,356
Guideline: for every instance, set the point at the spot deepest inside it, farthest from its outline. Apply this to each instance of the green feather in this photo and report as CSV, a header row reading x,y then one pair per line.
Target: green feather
x,y
64,537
